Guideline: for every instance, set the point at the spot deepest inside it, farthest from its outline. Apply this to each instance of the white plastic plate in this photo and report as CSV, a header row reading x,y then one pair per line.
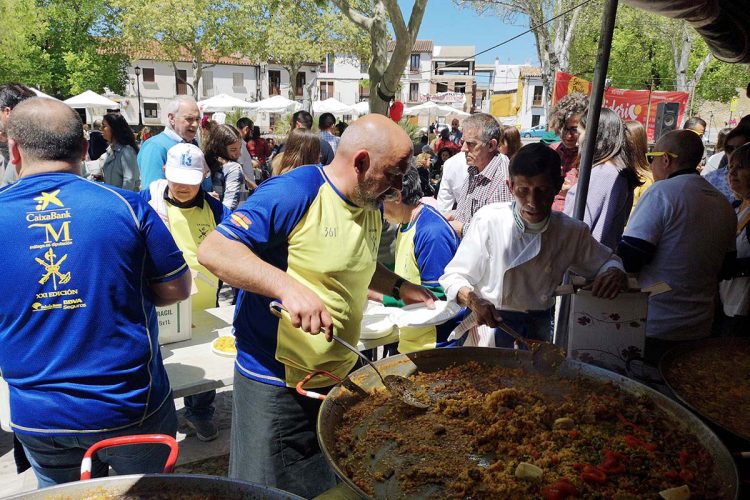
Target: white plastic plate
x,y
419,315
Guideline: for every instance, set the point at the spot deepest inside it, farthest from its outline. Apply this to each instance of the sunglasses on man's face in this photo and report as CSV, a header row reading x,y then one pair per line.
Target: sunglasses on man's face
x,y
655,154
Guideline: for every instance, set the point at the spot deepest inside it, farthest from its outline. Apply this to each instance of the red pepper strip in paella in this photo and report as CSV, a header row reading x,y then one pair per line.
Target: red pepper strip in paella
x,y
593,474
612,463
560,490
628,423
633,443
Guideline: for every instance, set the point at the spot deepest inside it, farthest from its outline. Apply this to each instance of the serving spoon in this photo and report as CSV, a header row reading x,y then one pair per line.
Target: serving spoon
x,y
398,386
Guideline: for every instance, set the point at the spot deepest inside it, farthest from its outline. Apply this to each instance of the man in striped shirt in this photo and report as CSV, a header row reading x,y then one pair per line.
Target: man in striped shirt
x,y
488,170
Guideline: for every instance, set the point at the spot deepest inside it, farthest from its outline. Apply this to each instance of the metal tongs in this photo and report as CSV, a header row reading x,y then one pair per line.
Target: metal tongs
x,y
398,386
545,357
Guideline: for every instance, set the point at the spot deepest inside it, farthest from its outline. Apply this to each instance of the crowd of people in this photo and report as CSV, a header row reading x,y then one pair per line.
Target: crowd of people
x,y
474,218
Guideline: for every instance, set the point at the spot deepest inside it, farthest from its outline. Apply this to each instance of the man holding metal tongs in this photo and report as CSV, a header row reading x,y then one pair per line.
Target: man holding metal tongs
x,y
515,254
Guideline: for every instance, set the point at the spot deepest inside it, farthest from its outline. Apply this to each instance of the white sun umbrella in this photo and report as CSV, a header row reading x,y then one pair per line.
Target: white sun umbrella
x,y
425,109
362,108
276,104
90,99
450,110
332,105
39,93
222,102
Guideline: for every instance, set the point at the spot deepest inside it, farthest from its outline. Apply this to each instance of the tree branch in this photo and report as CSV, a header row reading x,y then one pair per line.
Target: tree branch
x,y
571,28
357,18
698,74
397,19
415,20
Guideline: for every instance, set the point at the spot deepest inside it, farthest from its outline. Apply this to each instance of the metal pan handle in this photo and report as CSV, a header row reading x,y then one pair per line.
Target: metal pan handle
x,y
174,450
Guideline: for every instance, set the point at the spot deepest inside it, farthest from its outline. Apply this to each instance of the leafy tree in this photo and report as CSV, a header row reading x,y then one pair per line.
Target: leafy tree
x,y
553,39
297,32
384,71
721,81
652,50
193,30
56,45
21,55
87,69
79,53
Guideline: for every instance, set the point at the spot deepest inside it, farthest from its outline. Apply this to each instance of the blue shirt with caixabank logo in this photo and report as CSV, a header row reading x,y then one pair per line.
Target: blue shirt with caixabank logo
x,y
78,328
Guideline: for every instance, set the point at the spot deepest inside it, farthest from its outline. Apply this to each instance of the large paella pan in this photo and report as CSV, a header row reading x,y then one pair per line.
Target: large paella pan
x,y
499,429
712,377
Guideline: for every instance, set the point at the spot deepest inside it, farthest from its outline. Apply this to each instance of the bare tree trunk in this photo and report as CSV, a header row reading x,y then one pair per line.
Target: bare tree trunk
x,y
681,48
293,69
197,74
385,74
695,80
553,39
193,86
682,45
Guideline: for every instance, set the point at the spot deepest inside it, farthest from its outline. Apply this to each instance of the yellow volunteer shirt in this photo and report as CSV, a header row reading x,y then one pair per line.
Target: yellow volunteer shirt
x,y
301,224
189,227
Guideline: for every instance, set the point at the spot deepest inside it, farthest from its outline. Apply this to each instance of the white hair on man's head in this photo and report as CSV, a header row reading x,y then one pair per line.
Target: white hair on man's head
x,y
173,107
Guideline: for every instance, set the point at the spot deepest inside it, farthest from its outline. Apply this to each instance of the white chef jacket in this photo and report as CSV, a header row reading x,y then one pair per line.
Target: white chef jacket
x,y
518,270
455,173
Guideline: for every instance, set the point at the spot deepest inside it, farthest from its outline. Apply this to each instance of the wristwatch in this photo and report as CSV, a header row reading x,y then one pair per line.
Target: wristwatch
x,y
396,291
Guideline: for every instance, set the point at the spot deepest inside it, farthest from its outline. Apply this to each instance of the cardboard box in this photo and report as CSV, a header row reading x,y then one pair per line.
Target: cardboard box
x,y
175,322
605,332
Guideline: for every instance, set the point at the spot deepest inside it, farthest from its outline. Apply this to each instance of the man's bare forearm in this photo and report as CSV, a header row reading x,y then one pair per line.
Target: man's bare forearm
x,y
236,265
383,280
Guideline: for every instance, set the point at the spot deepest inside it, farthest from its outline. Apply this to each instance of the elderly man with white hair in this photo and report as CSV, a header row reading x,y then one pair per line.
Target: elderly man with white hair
x,y
183,120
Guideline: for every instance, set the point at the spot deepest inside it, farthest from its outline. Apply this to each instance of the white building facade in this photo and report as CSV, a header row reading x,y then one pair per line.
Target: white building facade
x,y
343,77
160,81
415,80
534,99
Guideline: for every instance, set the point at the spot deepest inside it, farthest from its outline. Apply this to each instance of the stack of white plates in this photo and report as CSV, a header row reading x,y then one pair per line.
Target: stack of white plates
x,y
416,315
376,321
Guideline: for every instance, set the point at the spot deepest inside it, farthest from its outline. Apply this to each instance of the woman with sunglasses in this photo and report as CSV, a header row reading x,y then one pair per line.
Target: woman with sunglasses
x,y
735,293
613,179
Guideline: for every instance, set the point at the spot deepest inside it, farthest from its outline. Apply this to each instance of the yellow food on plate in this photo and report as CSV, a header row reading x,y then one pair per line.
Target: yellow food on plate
x,y
225,346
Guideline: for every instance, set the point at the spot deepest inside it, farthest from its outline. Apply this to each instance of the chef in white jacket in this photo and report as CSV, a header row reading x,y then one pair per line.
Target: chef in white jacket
x,y
515,254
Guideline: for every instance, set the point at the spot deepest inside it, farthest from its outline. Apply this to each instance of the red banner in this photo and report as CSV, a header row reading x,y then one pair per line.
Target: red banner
x,y
628,104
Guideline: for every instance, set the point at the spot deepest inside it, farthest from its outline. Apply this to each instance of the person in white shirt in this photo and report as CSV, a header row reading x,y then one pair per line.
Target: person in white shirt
x,y
682,233
714,160
515,254
455,173
735,292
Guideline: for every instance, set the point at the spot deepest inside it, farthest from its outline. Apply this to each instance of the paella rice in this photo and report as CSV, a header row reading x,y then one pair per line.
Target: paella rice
x,y
714,378
590,439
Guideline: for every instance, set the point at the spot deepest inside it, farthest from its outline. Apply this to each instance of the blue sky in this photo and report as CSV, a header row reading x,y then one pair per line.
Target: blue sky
x,y
447,24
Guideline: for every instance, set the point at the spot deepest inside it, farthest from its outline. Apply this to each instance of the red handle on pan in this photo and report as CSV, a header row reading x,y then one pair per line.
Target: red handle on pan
x,y
174,450
312,394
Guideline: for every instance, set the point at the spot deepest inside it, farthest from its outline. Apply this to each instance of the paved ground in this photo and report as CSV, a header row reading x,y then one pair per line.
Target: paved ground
x,y
196,457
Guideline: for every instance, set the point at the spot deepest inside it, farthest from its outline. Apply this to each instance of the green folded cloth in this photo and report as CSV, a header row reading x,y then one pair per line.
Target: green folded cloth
x,y
550,137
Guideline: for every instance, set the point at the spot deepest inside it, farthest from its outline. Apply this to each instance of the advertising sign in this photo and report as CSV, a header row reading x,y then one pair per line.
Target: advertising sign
x,y
639,105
